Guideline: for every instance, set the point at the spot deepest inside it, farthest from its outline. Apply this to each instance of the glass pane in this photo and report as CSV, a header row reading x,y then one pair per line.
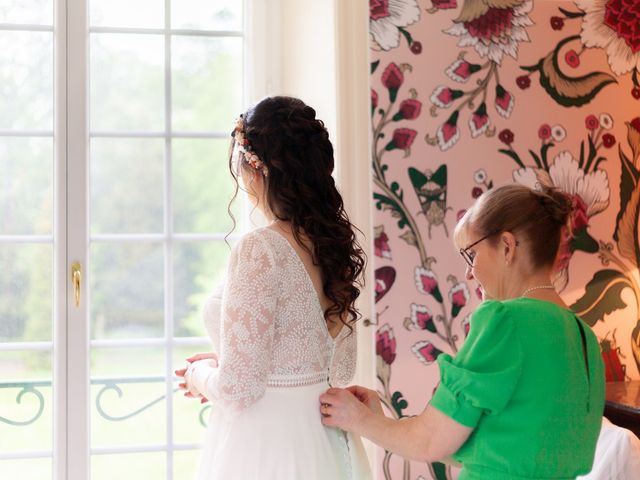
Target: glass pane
x,y
127,82
26,186
198,268
128,397
207,83
188,413
40,468
26,292
207,15
127,186
121,13
26,403
33,12
128,466
26,80
185,464
127,283
202,186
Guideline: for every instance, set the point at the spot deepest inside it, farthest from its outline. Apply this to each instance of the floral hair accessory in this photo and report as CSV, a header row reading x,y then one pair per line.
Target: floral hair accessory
x,y
242,146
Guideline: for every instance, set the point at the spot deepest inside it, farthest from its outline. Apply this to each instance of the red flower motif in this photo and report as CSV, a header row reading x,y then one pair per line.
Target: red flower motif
x,y
608,140
381,246
476,192
635,93
623,17
443,96
494,23
374,99
479,121
378,9
504,101
422,318
556,23
579,217
448,133
386,344
426,352
392,79
591,122
506,136
635,123
444,4
461,70
409,110
460,214
544,132
416,48
572,58
402,139
523,82
427,283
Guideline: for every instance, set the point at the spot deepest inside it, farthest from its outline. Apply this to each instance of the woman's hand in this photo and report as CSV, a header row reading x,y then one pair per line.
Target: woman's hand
x,y
345,409
369,397
182,372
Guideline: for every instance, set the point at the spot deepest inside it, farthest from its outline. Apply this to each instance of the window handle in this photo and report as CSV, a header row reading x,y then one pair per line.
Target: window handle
x,y
76,278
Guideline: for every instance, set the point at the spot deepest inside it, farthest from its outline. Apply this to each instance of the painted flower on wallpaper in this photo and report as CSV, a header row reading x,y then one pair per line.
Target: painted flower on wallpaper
x,y
493,27
421,319
381,243
426,352
613,26
461,70
386,344
385,278
466,326
589,193
387,19
427,283
458,295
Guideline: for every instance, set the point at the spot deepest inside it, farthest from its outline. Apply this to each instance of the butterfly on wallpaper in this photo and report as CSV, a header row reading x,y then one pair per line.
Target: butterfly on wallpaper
x,y
431,189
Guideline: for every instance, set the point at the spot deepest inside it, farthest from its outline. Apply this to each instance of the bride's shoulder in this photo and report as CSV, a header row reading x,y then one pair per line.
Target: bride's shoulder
x,y
257,241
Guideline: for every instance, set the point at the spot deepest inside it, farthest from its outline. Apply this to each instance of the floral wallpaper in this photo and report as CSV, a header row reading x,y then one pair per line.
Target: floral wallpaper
x,y
468,94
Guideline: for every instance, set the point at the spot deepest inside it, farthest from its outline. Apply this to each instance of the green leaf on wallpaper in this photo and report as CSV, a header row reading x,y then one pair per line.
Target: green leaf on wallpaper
x,y
591,156
583,241
536,158
581,159
398,403
385,203
626,232
565,90
513,155
602,296
570,14
374,66
439,471
543,154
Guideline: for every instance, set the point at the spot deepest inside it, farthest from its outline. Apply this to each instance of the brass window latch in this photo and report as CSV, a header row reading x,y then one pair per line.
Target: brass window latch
x,y
76,278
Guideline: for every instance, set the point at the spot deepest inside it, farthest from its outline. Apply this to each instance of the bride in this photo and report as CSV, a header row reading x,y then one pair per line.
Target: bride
x,y
286,328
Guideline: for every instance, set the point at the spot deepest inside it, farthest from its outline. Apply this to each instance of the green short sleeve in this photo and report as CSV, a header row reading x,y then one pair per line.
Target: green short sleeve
x,y
482,377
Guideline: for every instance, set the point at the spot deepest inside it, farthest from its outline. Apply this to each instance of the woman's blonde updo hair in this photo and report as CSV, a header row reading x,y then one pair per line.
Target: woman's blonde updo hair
x,y
536,216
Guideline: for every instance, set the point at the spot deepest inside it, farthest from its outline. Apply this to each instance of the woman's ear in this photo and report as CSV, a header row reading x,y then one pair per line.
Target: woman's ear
x,y
508,244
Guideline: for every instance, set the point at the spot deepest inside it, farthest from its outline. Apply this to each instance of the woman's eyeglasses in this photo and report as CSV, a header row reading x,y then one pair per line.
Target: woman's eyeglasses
x,y
469,256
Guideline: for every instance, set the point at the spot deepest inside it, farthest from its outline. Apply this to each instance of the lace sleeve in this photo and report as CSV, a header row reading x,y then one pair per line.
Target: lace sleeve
x,y
211,316
247,329
343,366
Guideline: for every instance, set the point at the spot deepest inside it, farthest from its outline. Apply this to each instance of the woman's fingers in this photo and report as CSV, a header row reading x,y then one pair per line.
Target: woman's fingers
x,y
202,356
180,372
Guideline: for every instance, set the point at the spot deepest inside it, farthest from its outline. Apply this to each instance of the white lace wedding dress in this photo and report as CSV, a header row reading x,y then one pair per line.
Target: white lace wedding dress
x,y
276,358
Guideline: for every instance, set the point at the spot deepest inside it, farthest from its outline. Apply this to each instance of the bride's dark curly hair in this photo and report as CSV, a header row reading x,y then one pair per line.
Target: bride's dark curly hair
x,y
295,148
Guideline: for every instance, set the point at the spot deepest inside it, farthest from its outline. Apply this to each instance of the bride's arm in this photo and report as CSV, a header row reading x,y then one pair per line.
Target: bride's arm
x,y
247,329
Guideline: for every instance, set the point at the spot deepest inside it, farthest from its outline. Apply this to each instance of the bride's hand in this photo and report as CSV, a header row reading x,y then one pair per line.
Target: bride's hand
x,y
181,372
203,356
341,408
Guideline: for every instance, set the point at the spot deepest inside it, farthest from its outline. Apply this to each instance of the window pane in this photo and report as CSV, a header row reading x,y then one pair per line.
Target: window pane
x,y
128,466
207,15
122,13
198,268
40,468
26,405
128,397
26,80
26,292
207,91
127,283
202,186
186,464
34,12
127,82
127,186
26,186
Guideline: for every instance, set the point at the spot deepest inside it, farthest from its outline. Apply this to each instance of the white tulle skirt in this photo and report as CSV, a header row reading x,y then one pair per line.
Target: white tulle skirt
x,y
280,437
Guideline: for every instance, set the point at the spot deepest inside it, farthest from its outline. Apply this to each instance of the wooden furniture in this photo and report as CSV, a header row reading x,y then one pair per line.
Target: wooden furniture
x,y
622,405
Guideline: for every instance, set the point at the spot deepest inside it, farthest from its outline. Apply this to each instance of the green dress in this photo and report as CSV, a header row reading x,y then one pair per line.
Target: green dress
x,y
520,381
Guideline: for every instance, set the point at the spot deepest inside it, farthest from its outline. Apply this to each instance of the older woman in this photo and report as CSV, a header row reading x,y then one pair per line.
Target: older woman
x,y
524,396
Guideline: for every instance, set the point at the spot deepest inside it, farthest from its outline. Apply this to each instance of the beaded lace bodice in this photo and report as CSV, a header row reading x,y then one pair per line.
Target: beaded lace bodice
x,y
269,328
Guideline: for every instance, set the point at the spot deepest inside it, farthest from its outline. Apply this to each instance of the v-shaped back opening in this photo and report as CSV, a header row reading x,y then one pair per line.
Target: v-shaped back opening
x,y
309,280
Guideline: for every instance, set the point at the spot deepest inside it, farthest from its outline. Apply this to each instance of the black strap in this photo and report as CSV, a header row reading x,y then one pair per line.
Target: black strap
x,y
586,359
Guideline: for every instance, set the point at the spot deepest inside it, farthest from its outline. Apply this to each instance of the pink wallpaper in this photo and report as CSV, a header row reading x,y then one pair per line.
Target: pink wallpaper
x,y
467,94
